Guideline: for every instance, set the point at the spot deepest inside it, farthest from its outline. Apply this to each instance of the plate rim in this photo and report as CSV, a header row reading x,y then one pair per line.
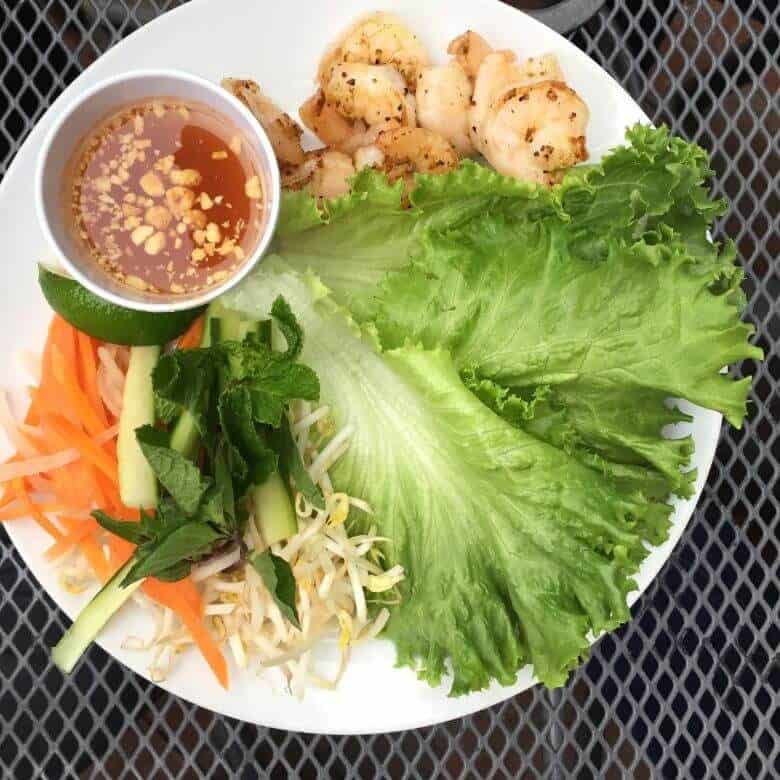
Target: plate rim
x,y
423,719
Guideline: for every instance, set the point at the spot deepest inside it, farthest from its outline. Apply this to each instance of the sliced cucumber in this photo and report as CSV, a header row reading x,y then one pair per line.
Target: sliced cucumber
x,y
185,437
92,619
137,483
274,512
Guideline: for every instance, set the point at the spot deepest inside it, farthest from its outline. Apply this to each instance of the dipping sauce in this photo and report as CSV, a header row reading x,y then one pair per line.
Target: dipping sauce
x,y
165,197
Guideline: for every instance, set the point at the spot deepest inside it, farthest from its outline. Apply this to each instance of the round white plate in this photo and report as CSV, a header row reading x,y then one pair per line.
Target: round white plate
x,y
279,44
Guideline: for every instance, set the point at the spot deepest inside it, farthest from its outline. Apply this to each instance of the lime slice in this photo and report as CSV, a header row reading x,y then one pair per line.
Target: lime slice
x,y
107,321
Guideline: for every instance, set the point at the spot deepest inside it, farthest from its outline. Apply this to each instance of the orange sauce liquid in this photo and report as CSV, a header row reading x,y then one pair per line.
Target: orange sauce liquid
x,y
160,197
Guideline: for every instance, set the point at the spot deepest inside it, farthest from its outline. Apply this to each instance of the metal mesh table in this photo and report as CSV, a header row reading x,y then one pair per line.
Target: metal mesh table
x,y
688,689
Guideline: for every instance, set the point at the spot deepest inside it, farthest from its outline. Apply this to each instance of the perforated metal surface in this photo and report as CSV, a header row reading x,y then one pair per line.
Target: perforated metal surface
x,y
688,689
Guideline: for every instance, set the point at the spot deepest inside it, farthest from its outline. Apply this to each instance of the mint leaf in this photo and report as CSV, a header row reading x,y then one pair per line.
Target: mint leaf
x,y
236,415
166,411
274,381
165,520
291,465
175,552
188,379
224,488
128,530
214,510
178,571
289,326
177,474
277,576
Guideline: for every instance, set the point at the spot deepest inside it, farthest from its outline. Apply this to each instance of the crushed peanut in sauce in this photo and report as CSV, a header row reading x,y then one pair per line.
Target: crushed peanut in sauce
x,y
165,199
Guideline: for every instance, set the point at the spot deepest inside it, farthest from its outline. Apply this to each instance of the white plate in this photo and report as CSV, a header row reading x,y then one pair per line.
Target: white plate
x,y
279,45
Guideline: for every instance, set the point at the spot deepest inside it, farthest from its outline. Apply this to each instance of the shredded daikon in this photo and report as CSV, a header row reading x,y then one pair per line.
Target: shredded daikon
x,y
37,464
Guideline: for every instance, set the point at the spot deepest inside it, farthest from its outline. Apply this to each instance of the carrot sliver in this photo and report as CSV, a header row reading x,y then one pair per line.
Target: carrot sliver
x,y
171,595
32,417
15,511
48,397
121,551
76,533
90,451
31,509
65,338
79,402
7,497
88,364
97,560
39,483
192,337
186,590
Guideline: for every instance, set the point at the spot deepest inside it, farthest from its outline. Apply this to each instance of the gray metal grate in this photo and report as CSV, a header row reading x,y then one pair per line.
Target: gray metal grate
x,y
688,689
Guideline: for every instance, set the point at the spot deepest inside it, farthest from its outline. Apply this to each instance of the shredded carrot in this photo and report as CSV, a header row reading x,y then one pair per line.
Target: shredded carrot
x,y
48,397
15,510
192,337
77,399
91,452
39,483
32,416
88,365
171,595
77,531
7,497
68,409
94,554
31,509
121,551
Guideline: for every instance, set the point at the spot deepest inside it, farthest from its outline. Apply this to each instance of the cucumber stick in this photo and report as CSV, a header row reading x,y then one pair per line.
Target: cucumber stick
x,y
274,512
137,483
92,619
184,437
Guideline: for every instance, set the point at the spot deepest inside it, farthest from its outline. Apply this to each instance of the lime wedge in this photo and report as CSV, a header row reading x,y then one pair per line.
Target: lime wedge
x,y
107,321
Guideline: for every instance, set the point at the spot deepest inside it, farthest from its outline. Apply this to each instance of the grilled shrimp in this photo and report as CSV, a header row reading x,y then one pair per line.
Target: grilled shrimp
x,y
325,173
469,50
533,131
409,150
373,93
443,103
378,39
327,123
500,71
283,132
368,138
369,157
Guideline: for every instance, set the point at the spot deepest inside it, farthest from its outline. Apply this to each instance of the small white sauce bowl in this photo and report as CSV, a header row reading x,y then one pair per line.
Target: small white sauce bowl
x,y
86,112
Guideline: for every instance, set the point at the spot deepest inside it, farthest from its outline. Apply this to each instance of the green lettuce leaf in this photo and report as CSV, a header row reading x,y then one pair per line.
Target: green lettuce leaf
x,y
503,356
603,292
513,549
354,241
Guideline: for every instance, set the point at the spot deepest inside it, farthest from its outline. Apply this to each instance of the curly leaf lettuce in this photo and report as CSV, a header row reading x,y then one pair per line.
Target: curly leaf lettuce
x,y
513,550
503,355
603,291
